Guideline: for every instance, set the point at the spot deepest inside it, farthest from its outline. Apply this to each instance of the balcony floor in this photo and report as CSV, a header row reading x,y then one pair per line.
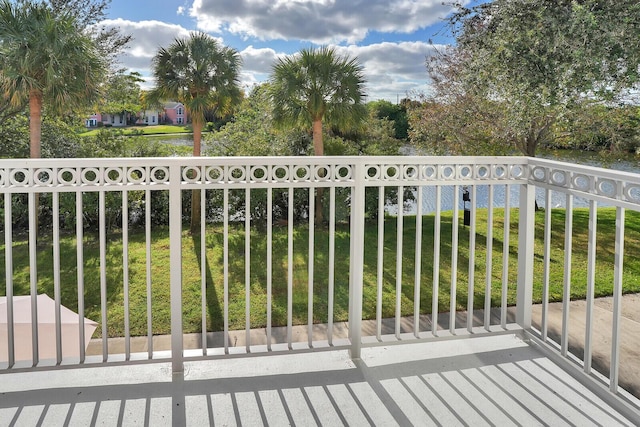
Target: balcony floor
x,y
489,380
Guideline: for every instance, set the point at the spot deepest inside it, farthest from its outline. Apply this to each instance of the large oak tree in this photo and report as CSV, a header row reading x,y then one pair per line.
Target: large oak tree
x,y
539,58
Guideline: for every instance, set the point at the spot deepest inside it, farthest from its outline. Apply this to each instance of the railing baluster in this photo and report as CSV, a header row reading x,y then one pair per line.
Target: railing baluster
x,y
125,272
56,272
203,268
454,260
290,269
356,260
437,229
8,271
591,275
310,259
80,273
489,262
225,266
547,264
332,261
380,265
505,256
103,273
566,295
418,265
147,226
472,258
247,269
269,263
399,233
33,275
175,256
614,373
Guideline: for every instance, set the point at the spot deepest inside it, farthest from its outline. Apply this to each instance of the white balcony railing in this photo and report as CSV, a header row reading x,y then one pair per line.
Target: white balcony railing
x,y
273,201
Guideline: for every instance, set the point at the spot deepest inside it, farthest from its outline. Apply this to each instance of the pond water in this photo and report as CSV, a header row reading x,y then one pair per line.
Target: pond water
x,y
186,139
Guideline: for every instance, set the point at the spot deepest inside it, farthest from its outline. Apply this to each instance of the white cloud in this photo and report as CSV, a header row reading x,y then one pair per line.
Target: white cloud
x,y
180,10
391,69
318,21
147,38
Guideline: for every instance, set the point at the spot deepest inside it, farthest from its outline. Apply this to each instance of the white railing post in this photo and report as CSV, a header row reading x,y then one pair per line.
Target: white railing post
x,y
526,228
175,250
356,263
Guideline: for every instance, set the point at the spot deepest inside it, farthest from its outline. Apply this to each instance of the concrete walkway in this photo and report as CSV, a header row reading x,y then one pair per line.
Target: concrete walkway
x,y
603,313
602,332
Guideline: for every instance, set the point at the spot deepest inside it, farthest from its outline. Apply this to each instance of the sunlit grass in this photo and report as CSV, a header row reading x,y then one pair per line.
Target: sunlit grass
x,y
214,268
146,130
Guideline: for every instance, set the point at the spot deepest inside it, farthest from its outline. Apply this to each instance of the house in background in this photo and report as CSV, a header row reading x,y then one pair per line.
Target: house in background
x,y
149,117
99,119
93,120
115,120
172,113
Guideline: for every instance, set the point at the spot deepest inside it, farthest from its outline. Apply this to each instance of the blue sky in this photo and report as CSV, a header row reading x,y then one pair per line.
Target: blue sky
x,y
389,37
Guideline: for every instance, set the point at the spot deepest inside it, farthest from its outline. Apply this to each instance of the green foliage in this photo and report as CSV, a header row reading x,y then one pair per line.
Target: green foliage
x,y
466,126
59,140
537,59
122,95
598,127
251,131
89,13
395,113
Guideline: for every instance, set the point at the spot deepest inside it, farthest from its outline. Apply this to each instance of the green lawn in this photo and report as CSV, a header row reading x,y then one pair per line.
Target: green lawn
x,y
146,130
214,270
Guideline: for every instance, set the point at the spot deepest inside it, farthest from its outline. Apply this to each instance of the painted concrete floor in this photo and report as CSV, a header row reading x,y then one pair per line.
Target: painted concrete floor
x,y
490,380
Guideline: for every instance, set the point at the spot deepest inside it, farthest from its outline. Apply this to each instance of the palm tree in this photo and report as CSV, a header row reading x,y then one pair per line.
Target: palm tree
x,y
199,73
202,75
316,86
46,60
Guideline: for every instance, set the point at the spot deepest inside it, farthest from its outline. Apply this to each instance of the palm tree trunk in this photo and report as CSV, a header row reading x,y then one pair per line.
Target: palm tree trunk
x,y
35,136
35,122
195,194
318,150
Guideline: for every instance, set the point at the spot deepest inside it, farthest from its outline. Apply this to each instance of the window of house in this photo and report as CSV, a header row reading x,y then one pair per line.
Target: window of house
x,y
153,119
180,111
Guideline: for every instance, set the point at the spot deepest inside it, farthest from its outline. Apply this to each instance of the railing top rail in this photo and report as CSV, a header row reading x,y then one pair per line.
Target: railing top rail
x,y
585,169
618,188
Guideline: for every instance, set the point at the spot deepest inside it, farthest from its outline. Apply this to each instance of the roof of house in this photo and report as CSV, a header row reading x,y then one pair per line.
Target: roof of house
x,y
172,105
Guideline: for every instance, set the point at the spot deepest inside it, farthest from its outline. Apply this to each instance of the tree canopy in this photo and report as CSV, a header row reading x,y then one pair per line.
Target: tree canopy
x,y
122,94
536,59
88,15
